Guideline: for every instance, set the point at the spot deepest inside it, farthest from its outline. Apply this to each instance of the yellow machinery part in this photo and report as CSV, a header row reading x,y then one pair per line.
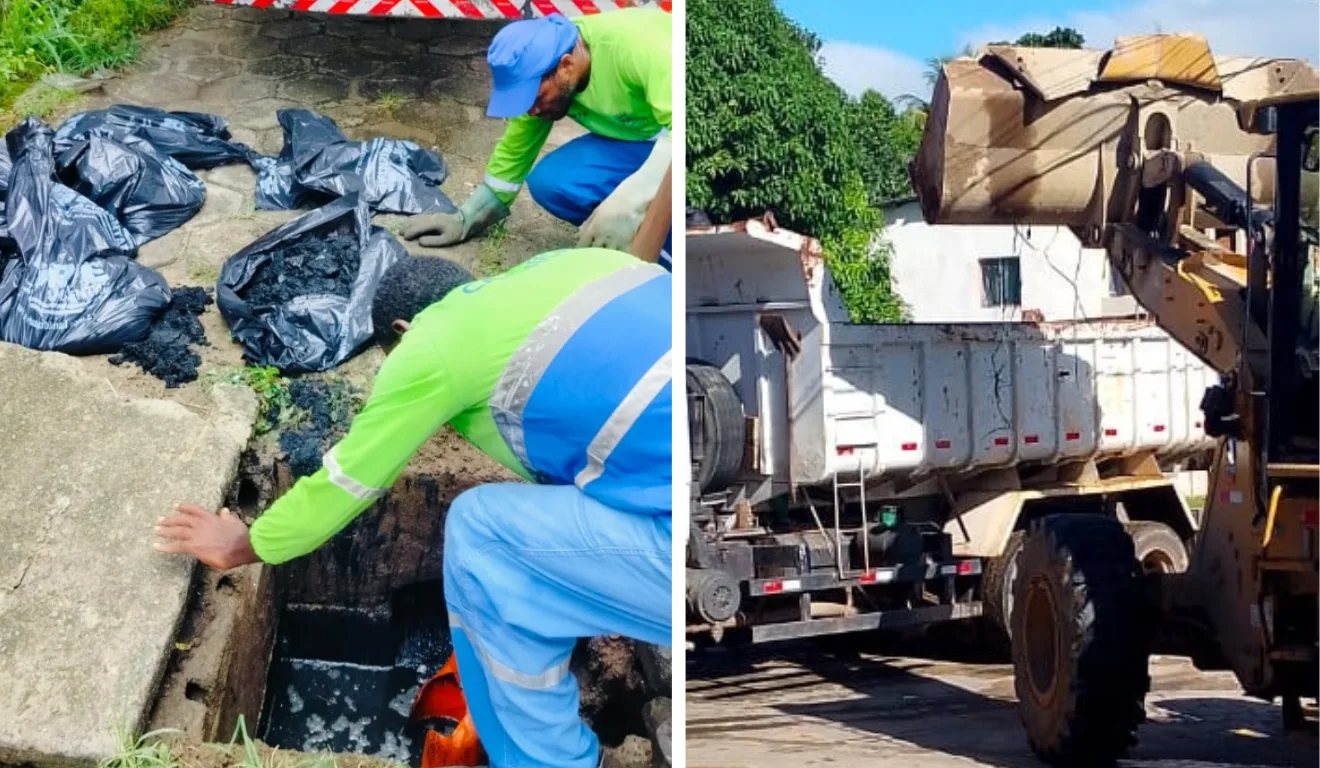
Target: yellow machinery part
x,y
1269,519
1184,59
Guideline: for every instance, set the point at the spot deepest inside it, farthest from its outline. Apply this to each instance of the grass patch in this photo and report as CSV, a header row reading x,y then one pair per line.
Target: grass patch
x,y
145,751
72,36
201,273
492,250
41,102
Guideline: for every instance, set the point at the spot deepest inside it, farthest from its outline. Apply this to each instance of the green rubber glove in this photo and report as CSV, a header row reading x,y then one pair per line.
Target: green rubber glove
x,y
437,230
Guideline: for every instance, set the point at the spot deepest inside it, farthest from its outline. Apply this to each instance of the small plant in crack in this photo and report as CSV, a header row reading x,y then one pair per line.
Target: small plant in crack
x,y
146,751
390,101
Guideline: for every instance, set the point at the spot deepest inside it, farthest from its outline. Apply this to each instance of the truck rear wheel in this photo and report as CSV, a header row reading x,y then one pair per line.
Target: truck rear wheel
x,y
1080,645
723,429
1158,548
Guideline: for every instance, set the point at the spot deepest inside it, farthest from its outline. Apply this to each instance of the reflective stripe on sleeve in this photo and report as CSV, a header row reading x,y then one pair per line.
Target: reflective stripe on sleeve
x,y
352,487
623,418
500,185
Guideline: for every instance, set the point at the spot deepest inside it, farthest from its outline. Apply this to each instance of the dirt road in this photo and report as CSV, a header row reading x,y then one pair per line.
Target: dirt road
x,y
795,705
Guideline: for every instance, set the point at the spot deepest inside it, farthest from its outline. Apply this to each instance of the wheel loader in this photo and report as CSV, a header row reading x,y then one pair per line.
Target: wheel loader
x,y
1197,175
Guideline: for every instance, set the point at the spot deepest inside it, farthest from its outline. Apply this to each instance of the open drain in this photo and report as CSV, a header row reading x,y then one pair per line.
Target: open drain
x,y
343,680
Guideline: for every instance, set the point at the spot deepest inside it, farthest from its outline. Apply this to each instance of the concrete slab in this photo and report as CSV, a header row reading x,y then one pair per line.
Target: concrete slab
x,y
88,611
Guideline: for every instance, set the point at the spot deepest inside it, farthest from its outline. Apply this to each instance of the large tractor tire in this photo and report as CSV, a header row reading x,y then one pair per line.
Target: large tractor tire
x,y
1158,548
1081,640
724,431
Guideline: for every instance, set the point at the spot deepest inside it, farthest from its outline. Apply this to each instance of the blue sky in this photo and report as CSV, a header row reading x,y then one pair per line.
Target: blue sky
x,y
883,44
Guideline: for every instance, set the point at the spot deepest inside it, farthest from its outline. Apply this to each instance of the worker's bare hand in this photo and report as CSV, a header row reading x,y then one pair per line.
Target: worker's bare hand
x,y
218,541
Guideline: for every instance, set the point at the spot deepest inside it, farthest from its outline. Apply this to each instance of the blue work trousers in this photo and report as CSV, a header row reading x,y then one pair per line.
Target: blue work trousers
x,y
575,178
529,569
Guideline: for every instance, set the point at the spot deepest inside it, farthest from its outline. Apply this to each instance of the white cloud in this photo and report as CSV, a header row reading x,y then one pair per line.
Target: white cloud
x,y
1287,28
857,67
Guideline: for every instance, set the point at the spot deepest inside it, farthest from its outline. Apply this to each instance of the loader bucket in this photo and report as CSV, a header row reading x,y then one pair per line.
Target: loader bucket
x,y
1058,137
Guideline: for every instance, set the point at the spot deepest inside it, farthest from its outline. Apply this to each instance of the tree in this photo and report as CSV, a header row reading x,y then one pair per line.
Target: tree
x,y
1059,37
888,140
768,131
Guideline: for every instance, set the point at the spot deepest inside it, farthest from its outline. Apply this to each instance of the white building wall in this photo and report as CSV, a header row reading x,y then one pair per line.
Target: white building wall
x,y
937,271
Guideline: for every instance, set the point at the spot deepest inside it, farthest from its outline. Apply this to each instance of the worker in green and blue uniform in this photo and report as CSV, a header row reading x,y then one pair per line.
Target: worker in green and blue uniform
x,y
611,73
560,370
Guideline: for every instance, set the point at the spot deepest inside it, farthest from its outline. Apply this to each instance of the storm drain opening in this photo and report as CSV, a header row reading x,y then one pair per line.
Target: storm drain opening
x,y
327,652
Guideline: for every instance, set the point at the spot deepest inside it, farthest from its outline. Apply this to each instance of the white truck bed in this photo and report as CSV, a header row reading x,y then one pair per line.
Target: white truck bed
x,y
918,399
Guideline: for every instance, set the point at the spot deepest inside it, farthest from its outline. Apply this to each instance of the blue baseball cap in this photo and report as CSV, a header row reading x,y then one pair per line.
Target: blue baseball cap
x,y
520,55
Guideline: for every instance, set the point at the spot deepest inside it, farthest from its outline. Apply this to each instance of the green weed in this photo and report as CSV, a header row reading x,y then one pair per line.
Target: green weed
x,y
492,250
145,751
251,756
272,390
389,101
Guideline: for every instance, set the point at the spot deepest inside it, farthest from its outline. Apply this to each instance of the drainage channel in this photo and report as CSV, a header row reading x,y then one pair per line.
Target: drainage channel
x,y
326,653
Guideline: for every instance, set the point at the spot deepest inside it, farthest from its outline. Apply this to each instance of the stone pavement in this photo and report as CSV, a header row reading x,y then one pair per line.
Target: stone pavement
x,y
88,610
421,80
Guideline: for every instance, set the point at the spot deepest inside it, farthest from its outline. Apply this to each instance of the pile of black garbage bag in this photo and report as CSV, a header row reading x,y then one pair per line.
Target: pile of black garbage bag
x,y
77,202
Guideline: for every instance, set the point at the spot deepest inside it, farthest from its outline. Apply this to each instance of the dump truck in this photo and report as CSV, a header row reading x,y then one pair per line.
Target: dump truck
x,y
463,10
851,477
1197,174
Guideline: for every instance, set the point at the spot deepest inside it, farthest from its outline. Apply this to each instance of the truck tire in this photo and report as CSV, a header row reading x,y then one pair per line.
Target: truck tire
x,y
1158,548
724,431
1081,643
997,584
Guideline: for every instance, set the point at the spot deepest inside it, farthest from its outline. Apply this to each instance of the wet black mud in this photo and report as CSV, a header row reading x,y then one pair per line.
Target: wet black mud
x,y
322,263
166,352
321,413
345,680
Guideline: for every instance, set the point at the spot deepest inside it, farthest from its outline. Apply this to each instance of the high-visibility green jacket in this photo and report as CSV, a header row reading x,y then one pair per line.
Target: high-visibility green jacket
x,y
558,369
628,97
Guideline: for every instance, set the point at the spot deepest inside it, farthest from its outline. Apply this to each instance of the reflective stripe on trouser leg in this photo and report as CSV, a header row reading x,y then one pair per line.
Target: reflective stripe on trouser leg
x,y
572,180
528,570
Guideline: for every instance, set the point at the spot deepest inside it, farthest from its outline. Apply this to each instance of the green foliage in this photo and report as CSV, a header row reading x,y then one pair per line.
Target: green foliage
x,y
768,131
145,751
73,36
1059,37
888,140
272,392
859,262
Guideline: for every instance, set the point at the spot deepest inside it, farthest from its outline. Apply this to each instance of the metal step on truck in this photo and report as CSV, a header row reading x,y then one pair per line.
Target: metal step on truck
x,y
852,477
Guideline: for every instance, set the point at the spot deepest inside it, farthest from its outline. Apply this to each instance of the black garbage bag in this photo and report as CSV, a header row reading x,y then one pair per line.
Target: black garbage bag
x,y
148,192
319,163
299,298
195,139
72,285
